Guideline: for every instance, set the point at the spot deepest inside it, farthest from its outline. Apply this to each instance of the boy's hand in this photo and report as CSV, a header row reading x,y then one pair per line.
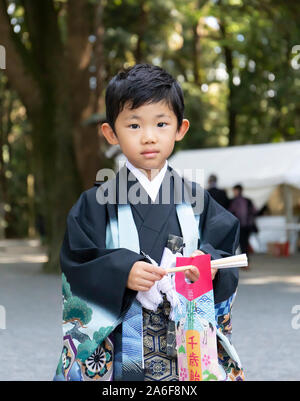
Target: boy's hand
x,y
194,273
143,275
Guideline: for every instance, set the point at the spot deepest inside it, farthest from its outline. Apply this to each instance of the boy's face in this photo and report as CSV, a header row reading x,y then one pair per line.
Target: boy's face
x,y
146,135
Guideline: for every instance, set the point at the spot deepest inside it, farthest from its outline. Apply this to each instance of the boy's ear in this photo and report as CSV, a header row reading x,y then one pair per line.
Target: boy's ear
x,y
109,134
182,130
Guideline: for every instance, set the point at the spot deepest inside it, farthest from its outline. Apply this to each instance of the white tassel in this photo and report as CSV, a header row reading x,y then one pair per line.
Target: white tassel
x,y
153,298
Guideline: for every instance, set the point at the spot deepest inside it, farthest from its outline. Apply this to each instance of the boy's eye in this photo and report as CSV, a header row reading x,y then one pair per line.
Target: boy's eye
x,y
134,126
161,125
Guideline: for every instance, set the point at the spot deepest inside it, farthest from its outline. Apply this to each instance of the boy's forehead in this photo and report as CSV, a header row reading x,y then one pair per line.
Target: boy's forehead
x,y
160,109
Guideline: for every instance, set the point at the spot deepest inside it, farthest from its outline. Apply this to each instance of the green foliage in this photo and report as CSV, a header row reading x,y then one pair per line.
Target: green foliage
x,y
66,288
15,162
233,58
181,350
265,89
102,333
207,376
86,349
76,309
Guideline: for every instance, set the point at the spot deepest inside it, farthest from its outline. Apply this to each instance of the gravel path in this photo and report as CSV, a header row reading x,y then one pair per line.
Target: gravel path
x,y
268,346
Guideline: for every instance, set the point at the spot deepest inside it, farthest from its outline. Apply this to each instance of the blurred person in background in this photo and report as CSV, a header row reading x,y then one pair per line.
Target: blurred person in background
x,y
244,210
218,195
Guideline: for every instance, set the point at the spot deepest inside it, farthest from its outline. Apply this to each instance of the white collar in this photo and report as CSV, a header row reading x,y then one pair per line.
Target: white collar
x,y
151,187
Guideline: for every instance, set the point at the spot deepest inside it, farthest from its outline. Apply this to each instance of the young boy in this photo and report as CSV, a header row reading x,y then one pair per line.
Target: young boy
x,y
110,244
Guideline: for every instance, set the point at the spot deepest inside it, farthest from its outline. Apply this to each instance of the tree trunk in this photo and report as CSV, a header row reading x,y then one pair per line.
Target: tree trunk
x,y
6,105
54,153
197,28
141,29
196,51
230,108
52,80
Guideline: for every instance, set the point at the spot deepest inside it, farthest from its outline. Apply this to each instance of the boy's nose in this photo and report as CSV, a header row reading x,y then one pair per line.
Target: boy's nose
x,y
148,136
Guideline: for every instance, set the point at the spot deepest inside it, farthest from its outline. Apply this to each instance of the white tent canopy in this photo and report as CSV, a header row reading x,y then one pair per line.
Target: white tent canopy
x,y
258,168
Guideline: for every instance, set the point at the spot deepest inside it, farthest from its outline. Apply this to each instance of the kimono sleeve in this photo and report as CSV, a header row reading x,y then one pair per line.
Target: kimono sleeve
x,y
93,272
220,238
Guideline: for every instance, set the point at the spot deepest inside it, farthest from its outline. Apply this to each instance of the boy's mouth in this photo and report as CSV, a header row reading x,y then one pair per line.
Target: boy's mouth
x,y
150,153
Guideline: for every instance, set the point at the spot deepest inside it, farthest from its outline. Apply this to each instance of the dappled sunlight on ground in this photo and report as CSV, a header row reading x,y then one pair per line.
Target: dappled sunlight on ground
x,y
22,251
23,259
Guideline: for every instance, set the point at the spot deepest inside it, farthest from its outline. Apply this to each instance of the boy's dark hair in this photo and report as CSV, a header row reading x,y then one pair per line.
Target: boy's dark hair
x,y
139,85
